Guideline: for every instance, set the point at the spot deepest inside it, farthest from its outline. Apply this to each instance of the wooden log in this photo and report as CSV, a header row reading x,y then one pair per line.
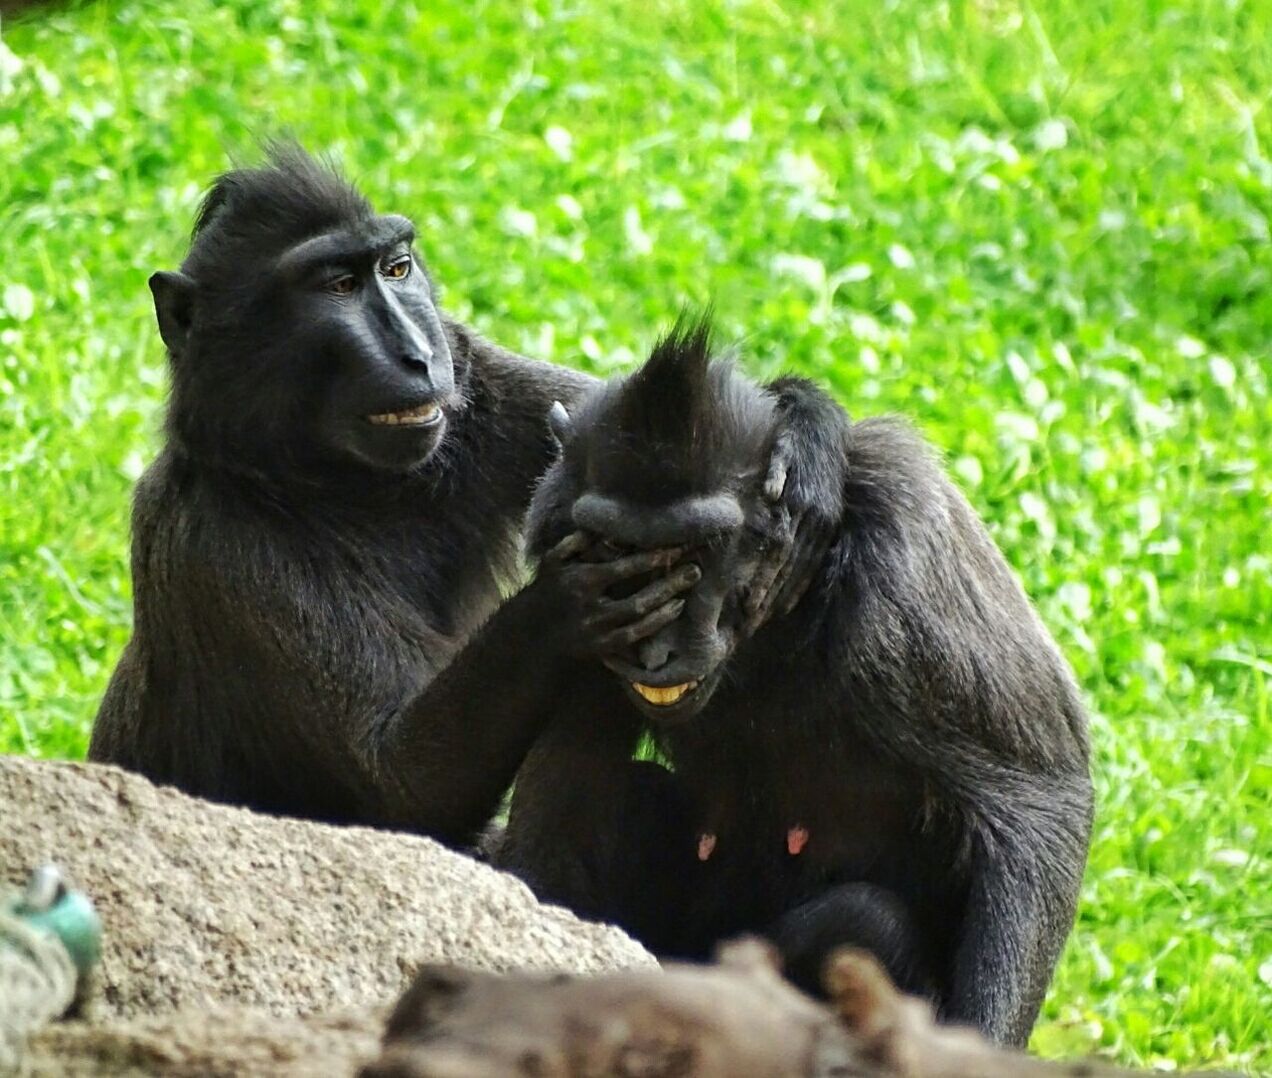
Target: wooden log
x,y
738,1017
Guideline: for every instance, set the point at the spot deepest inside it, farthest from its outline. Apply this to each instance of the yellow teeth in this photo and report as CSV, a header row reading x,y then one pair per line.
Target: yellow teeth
x,y
664,697
412,417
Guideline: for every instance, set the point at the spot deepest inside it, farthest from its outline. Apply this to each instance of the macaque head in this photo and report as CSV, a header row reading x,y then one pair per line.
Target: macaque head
x,y
672,455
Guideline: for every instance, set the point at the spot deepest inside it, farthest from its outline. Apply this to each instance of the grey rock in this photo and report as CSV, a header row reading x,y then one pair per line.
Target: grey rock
x,y
206,905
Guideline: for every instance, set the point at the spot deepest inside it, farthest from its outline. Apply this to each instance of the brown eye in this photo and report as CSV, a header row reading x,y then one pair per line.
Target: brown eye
x,y
398,268
342,286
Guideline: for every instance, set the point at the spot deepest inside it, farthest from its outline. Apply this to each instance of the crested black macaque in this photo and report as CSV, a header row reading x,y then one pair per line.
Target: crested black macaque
x,y
320,548
899,762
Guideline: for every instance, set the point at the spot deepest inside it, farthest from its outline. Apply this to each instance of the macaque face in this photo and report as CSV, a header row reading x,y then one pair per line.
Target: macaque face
x,y
671,456
671,675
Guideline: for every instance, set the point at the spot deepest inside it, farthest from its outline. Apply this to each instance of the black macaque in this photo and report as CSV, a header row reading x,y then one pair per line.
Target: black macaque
x,y
899,762
320,550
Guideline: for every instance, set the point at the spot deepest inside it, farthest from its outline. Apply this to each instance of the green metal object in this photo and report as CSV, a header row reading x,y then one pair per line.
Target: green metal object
x,y
48,905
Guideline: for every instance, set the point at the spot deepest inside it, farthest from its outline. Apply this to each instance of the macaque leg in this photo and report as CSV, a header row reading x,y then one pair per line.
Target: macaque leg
x,y
861,915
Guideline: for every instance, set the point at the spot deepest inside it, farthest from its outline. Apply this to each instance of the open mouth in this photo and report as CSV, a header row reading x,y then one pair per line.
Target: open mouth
x,y
663,696
423,415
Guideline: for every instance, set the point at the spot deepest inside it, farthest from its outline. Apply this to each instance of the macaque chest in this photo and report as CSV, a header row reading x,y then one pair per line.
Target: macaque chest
x,y
800,809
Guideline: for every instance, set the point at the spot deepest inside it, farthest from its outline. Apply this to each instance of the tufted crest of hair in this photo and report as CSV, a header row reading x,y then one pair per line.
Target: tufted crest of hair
x,y
684,423
251,212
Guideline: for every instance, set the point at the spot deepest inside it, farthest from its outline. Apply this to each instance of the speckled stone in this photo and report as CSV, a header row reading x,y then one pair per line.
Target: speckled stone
x,y
206,905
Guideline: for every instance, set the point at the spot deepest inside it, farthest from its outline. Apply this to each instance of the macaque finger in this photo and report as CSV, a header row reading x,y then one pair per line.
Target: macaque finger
x,y
811,553
570,547
779,466
767,580
559,422
621,639
602,575
617,612
762,584
790,586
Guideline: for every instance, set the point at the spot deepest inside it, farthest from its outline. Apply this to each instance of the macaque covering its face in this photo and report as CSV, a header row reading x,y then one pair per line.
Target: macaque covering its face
x,y
671,456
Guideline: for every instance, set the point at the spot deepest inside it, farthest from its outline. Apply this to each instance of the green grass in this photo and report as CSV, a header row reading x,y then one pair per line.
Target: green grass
x,y
1041,231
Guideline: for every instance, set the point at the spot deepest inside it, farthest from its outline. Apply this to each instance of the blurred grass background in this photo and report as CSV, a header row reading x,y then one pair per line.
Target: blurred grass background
x,y
1041,231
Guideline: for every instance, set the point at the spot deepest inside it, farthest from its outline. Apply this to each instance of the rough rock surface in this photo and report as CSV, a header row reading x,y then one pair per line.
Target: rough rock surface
x,y
206,905
227,1043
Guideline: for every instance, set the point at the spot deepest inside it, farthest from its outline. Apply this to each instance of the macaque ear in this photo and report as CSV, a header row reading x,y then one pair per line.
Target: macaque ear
x,y
560,423
174,308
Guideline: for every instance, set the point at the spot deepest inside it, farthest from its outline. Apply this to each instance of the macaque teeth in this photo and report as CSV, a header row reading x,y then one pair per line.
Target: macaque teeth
x,y
410,417
664,696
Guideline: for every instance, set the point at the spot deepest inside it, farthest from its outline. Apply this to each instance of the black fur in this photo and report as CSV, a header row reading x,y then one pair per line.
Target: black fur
x,y
911,713
313,595
318,628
